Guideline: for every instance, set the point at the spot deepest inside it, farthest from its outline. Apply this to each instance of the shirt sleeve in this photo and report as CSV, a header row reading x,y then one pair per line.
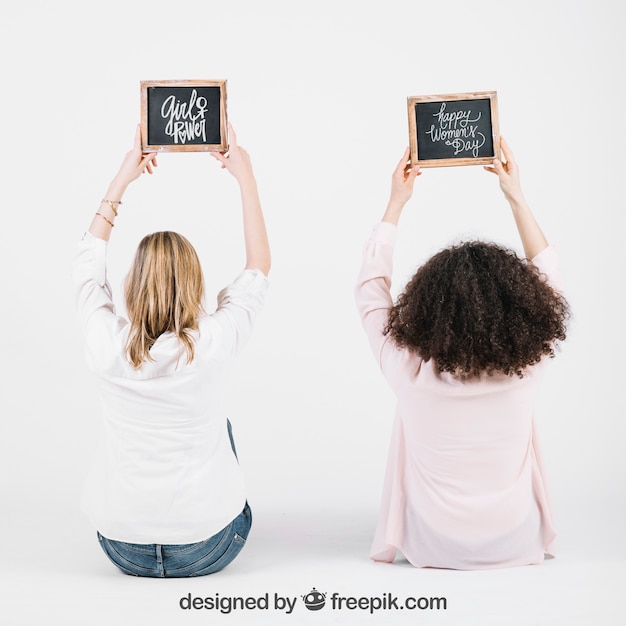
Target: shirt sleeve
x,y
100,325
373,295
238,306
92,291
547,262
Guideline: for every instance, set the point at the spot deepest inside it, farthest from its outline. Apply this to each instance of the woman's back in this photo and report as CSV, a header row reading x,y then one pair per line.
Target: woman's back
x,y
465,456
165,491
165,458
464,349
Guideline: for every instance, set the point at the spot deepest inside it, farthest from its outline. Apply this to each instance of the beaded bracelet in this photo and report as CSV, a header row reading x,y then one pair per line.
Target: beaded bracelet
x,y
106,219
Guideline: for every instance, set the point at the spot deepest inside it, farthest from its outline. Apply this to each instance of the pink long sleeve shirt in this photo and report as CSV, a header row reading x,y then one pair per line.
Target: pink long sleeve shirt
x,y
464,485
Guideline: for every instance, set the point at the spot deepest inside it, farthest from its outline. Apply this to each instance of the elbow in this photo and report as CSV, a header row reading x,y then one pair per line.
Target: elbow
x,y
264,264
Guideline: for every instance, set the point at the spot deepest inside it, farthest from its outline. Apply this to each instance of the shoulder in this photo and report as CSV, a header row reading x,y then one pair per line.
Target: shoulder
x,y
249,280
547,262
248,290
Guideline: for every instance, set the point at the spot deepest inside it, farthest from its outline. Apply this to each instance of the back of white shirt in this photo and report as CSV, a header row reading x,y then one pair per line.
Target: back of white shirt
x,y
164,471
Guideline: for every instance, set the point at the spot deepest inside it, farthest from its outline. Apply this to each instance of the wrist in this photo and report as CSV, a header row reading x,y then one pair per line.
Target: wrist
x,y
393,211
247,181
518,203
116,189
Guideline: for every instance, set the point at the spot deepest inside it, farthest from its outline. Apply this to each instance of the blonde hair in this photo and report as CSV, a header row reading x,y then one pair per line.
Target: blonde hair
x,y
163,292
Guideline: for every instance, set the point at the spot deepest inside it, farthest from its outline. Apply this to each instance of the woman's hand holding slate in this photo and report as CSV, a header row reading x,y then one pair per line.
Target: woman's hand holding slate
x,y
134,164
533,239
237,162
402,181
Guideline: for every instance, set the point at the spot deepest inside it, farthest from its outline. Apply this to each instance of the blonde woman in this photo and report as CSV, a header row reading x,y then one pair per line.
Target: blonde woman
x,y
165,491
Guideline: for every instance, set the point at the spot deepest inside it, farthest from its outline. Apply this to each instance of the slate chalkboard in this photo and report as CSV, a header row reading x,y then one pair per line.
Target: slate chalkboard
x,y
183,116
454,129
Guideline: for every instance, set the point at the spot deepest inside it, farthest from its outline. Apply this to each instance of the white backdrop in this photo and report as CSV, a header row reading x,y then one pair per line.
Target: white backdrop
x,y
317,94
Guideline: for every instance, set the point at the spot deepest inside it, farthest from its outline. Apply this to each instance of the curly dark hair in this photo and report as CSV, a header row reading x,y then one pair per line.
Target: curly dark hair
x,y
475,308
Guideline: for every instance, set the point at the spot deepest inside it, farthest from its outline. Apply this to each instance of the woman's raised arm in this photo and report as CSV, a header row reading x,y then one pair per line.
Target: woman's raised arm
x,y
237,162
402,181
533,239
134,164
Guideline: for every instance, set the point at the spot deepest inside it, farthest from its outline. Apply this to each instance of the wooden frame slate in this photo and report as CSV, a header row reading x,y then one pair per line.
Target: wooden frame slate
x,y
454,129
183,116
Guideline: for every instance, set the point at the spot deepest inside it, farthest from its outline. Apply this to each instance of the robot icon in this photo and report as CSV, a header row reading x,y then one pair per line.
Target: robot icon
x,y
314,600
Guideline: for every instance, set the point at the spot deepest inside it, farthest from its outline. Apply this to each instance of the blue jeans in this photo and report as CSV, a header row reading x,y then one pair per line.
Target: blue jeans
x,y
180,560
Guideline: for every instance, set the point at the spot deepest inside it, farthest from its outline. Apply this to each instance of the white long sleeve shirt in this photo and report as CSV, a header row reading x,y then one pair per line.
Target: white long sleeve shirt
x,y
164,471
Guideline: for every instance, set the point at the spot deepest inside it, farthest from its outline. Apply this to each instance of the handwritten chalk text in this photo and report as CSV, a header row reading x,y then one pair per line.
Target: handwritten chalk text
x,y
185,120
457,129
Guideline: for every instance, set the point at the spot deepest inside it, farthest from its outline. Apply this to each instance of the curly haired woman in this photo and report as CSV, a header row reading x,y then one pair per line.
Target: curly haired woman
x,y
464,349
